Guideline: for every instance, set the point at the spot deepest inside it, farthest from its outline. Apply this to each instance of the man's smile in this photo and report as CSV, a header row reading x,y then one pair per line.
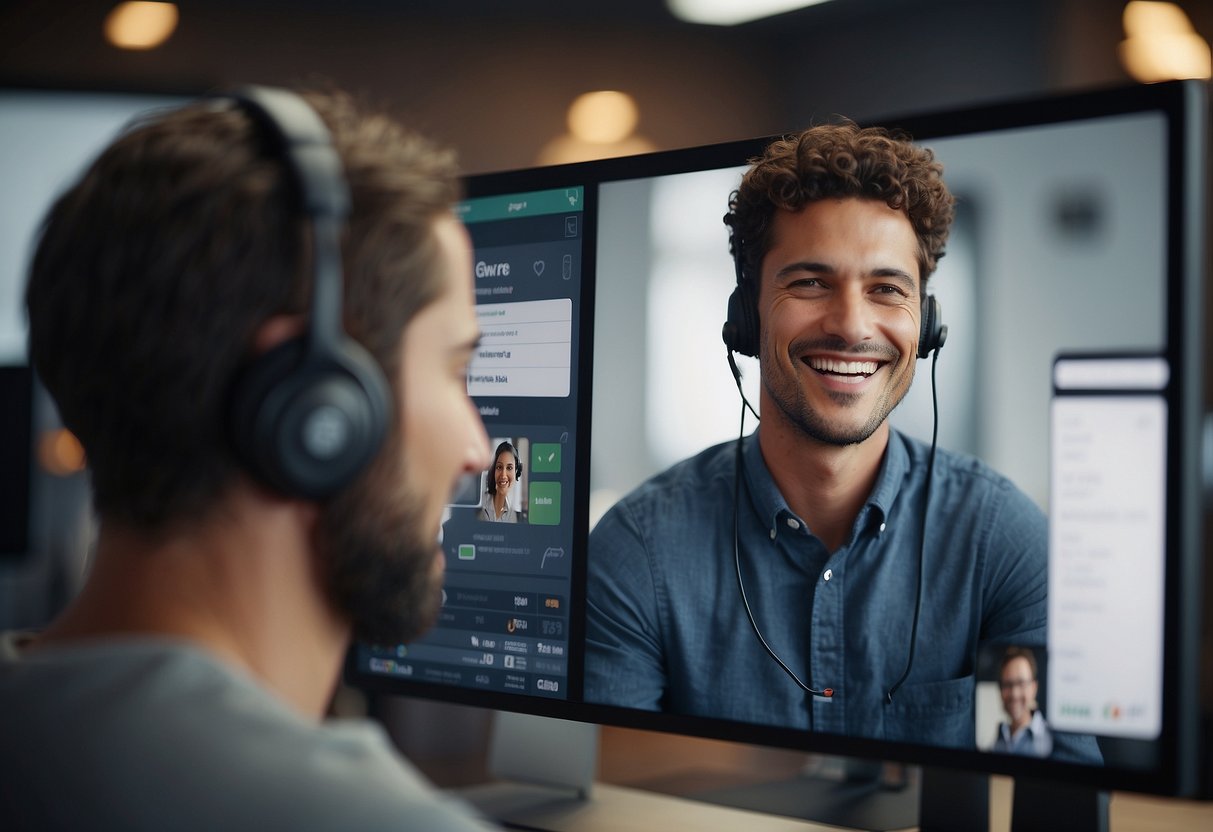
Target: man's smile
x,y
852,372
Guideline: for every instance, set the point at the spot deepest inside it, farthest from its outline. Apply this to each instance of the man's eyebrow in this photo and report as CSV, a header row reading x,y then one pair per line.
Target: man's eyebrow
x,y
805,266
900,275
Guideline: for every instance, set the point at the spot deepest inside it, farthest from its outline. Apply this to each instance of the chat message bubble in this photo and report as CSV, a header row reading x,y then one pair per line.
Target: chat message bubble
x,y
525,349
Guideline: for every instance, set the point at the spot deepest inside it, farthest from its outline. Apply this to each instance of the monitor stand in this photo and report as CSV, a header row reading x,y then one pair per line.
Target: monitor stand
x,y
1058,807
956,801
543,770
551,753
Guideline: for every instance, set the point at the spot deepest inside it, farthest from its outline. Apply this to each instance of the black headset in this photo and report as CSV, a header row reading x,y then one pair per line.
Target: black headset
x,y
740,331
309,415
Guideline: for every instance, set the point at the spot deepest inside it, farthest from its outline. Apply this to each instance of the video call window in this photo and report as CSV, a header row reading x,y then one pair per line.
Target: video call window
x,y
1060,190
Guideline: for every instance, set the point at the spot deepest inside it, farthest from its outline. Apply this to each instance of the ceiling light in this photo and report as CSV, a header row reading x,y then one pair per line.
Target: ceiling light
x,y
732,12
1161,44
140,25
603,117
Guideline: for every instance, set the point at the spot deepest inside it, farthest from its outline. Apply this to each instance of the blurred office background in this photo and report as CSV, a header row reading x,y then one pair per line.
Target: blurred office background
x,y
496,79
516,84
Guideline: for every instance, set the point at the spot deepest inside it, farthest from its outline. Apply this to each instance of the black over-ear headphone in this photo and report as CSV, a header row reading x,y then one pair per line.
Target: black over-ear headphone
x,y
308,416
740,331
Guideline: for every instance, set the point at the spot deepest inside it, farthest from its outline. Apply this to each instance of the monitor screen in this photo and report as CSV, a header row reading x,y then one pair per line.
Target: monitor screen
x,y
1071,376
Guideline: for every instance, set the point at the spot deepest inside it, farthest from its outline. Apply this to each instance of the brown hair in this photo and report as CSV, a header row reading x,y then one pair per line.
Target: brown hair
x,y
155,270
840,160
1014,653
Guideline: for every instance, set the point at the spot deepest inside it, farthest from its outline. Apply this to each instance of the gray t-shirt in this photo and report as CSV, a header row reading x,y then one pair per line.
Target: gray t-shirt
x,y
149,733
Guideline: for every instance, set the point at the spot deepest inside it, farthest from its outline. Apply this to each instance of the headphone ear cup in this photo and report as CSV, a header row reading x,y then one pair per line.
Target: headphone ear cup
x,y
740,331
932,332
306,425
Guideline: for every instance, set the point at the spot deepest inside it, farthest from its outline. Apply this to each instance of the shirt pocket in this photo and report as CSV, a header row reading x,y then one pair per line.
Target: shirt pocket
x,y
933,713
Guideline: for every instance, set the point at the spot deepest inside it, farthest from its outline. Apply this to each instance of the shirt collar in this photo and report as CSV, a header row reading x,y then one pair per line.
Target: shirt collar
x,y
1034,728
770,504
764,494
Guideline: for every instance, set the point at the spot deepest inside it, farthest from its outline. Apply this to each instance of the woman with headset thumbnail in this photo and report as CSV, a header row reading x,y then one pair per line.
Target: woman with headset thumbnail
x,y
501,478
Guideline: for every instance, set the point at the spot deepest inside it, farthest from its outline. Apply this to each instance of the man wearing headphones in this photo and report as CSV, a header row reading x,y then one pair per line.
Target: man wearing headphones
x,y
826,572
256,314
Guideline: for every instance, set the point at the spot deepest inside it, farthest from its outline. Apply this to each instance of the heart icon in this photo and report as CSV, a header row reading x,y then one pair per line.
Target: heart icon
x,y
539,264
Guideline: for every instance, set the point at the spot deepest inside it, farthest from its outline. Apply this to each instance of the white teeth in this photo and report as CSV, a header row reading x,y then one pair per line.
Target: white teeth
x,y
843,367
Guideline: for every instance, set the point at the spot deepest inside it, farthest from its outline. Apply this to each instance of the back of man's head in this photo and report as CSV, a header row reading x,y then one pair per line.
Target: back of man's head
x,y
155,272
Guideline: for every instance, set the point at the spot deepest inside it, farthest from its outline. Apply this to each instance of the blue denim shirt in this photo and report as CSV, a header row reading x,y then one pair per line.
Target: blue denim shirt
x,y
666,628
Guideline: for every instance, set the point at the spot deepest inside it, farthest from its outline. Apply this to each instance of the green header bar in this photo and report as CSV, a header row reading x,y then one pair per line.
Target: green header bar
x,y
530,204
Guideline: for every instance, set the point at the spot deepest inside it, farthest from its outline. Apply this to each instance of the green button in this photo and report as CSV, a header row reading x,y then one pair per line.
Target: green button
x,y
545,504
545,458
467,551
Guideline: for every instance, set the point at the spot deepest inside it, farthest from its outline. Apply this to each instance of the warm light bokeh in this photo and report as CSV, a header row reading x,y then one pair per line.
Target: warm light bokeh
x,y
60,453
140,25
603,117
1161,45
601,124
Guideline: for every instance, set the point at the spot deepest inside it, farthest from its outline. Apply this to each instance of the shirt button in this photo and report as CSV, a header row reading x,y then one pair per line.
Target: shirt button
x,y
793,523
829,573
882,528
772,533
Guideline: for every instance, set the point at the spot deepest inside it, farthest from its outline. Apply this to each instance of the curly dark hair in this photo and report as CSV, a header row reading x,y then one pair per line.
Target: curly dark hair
x,y
155,270
840,160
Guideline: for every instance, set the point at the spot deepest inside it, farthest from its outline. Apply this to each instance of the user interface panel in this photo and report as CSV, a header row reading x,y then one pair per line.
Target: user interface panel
x,y
509,536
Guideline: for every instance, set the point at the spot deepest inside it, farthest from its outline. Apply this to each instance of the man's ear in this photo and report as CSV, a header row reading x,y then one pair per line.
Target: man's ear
x,y
276,330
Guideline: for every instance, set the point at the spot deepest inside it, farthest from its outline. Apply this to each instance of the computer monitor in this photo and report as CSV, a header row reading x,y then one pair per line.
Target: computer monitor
x,y
1075,365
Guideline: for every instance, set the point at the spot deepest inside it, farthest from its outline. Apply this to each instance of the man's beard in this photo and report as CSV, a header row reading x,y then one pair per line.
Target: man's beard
x,y
376,558
789,396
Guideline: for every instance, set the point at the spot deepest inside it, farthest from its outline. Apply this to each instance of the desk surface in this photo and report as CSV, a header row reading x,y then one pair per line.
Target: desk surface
x,y
679,765
622,809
